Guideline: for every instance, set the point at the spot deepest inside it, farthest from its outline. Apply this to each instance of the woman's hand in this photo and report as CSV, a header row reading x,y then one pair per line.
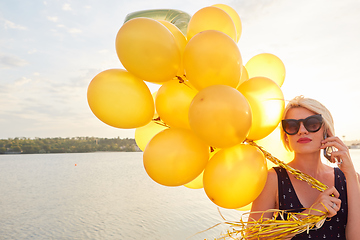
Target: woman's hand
x,y
327,201
341,156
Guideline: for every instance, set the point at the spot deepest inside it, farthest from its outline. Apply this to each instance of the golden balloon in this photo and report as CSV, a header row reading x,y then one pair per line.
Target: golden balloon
x,y
245,208
243,77
220,115
211,18
147,49
144,134
273,144
172,103
234,177
266,65
180,40
211,57
197,183
120,99
234,16
267,105
175,157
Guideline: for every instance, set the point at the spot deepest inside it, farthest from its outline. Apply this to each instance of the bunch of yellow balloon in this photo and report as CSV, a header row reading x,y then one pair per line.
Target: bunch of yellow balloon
x,y
192,132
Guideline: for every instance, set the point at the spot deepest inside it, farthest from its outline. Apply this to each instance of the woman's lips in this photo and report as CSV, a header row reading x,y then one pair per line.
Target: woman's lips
x,y
304,140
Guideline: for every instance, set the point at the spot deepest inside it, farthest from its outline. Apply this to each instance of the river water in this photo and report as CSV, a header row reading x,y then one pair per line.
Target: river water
x,y
104,195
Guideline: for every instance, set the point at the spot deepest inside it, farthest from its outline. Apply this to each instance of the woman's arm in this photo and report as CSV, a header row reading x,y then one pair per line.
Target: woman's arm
x,y
353,194
352,185
267,198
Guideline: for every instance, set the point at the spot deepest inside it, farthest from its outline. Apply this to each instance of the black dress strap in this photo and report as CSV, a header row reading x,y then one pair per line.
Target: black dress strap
x,y
288,200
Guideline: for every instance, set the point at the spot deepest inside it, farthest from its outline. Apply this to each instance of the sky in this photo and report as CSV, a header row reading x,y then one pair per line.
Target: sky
x,y
50,51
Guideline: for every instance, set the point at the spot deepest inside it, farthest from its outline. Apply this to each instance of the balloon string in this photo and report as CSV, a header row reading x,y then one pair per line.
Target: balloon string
x,y
160,122
287,226
182,80
283,225
297,173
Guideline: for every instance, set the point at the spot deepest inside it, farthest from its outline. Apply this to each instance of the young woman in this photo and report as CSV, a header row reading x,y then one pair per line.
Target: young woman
x,y
307,129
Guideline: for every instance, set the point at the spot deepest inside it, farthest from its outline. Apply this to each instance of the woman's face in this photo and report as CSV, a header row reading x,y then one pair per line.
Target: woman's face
x,y
304,141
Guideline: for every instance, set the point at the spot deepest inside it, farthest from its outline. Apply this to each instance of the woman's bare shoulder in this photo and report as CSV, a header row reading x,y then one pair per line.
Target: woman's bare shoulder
x,y
272,175
267,198
271,184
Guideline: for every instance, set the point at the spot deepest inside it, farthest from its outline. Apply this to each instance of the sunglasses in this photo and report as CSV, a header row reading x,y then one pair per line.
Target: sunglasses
x,y
312,124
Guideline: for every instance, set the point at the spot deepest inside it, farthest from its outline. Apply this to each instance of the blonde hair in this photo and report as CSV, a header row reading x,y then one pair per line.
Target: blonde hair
x,y
314,106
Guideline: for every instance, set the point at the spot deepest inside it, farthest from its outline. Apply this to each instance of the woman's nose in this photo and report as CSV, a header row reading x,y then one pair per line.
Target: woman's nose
x,y
302,128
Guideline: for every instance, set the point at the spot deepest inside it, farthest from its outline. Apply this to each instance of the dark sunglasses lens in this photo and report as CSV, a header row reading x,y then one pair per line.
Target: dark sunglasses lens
x,y
291,127
312,124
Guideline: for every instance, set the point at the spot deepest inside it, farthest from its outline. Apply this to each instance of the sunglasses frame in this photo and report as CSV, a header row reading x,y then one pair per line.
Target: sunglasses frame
x,y
304,121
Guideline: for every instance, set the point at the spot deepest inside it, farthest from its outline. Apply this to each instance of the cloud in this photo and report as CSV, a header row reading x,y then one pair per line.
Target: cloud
x,y
11,61
4,90
53,19
41,99
22,81
74,30
104,51
10,25
32,51
69,30
66,7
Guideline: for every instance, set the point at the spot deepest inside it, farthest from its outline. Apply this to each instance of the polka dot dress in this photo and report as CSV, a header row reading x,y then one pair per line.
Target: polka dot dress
x,y
333,228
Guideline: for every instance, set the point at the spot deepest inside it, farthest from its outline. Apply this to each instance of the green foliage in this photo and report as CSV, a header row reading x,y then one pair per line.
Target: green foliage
x,y
67,145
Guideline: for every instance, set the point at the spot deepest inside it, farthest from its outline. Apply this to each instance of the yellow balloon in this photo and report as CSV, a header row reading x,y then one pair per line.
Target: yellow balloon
x,y
154,96
211,58
211,18
273,144
175,157
243,77
172,103
266,65
147,49
220,115
234,177
180,40
178,35
234,16
144,134
120,99
197,183
267,105
245,208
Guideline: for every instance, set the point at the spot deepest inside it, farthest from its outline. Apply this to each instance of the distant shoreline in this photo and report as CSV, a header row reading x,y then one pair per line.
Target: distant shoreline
x,y
21,153
82,145
66,145
353,144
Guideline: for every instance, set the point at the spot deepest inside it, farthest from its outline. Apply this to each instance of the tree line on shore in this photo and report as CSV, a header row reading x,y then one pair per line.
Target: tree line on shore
x,y
66,145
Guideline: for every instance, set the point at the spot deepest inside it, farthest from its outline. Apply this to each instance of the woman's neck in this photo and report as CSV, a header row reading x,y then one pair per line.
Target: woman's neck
x,y
309,163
